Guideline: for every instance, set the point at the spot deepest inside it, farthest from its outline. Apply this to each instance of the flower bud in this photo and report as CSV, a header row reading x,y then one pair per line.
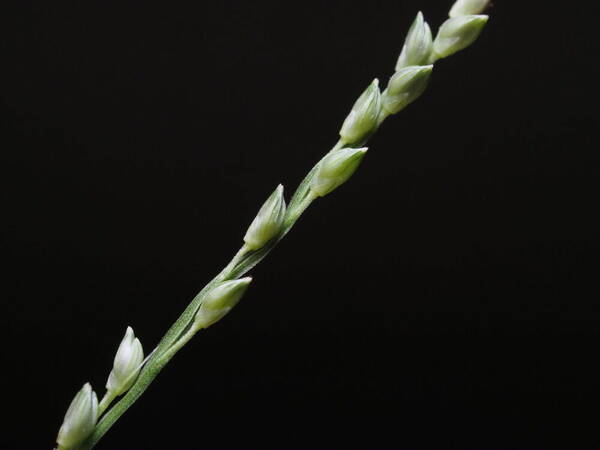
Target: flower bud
x,y
417,45
127,364
468,7
405,87
80,419
335,169
268,221
219,302
362,120
458,33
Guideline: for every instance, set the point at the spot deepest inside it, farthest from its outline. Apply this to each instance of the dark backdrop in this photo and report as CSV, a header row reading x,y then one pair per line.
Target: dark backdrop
x,y
446,297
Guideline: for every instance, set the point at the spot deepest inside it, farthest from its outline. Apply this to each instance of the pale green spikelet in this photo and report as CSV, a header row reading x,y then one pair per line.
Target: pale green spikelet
x,y
362,120
335,169
468,7
126,365
405,87
80,419
268,222
219,301
458,33
417,46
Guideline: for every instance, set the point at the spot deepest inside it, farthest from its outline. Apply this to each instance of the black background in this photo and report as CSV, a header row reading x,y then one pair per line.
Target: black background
x,y
446,297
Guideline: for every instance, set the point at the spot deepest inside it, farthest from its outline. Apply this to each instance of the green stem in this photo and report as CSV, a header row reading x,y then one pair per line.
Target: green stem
x,y
105,402
189,334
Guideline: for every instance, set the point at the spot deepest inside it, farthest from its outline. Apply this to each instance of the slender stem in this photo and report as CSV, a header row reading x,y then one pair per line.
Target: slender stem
x,y
337,146
105,402
189,334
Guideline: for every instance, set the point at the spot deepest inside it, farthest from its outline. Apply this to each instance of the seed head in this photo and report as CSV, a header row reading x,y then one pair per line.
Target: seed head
x,y
405,87
335,169
362,120
220,301
80,419
268,221
468,7
417,46
458,33
126,365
